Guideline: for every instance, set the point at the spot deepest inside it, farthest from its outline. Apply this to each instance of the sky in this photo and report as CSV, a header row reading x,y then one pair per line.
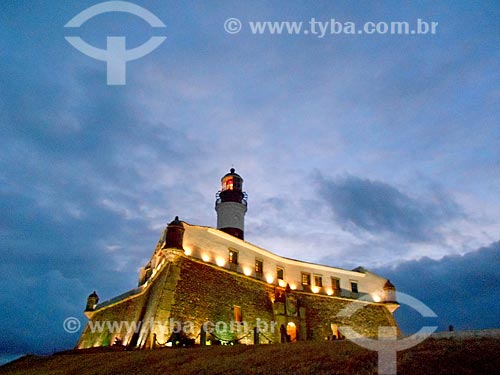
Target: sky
x,y
376,150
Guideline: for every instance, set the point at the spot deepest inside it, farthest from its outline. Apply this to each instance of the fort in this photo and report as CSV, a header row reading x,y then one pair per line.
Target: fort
x,y
212,280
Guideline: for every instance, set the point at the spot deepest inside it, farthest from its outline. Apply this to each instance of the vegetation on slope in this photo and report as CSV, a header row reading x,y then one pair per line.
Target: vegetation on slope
x,y
434,356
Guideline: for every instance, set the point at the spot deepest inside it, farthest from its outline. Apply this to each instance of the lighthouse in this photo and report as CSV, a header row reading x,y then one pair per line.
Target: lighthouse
x,y
231,205
234,279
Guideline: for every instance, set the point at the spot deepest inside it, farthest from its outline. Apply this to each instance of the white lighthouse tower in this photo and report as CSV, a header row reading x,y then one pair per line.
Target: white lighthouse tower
x,y
231,205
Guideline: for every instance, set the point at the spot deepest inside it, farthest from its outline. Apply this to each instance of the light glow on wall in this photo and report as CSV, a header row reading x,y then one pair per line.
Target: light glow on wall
x,y
220,261
247,271
293,286
376,298
205,257
188,251
281,283
329,292
127,339
269,279
315,289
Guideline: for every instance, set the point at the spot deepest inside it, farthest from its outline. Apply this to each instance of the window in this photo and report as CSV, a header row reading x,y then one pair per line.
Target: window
x,y
335,331
318,280
354,286
306,278
259,267
233,256
335,283
228,183
279,273
237,314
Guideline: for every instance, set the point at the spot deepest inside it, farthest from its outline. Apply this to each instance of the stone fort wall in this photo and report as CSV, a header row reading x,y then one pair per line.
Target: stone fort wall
x,y
189,290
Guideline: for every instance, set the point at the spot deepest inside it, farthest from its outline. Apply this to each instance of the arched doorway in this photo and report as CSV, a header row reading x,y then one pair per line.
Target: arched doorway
x,y
291,331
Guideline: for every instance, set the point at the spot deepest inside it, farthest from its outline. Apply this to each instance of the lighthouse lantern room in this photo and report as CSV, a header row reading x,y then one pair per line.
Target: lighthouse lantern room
x,y
231,205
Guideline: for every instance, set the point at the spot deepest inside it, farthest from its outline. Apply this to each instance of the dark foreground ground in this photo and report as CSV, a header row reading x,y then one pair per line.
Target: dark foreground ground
x,y
434,356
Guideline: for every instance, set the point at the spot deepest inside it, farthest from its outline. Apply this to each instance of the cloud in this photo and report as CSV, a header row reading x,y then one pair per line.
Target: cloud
x,y
463,290
380,208
81,206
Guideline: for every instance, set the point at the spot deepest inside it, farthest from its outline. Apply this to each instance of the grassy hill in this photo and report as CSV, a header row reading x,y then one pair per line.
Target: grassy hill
x,y
434,356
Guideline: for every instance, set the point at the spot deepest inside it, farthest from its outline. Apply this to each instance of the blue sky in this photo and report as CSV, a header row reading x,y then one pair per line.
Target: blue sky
x,y
373,150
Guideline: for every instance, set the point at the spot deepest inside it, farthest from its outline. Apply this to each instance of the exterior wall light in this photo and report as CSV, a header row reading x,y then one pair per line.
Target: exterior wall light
x,y
220,262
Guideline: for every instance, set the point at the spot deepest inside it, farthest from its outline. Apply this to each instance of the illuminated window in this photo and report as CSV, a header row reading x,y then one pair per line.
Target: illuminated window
x,y
354,287
318,280
259,267
280,273
306,278
233,256
335,283
237,314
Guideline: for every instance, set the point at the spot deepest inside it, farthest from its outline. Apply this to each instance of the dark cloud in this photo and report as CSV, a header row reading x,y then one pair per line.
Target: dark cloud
x,y
463,290
79,198
380,208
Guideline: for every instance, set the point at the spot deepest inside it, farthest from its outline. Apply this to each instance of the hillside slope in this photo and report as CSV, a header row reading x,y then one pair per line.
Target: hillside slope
x,y
434,356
